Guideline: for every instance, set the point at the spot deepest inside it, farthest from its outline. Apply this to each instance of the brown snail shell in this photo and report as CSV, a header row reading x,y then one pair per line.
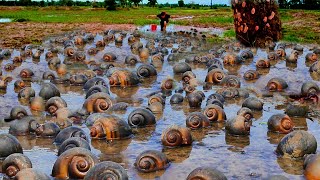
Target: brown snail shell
x,y
141,117
110,127
49,55
69,51
48,129
131,60
280,123
109,57
19,84
281,52
215,76
79,56
78,40
311,57
296,144
26,73
17,59
25,126
197,120
54,103
276,84
189,88
48,75
30,173
156,98
176,136
167,84
245,112
52,63
9,145
146,70
69,132
98,102
272,56
26,93
253,103
156,107
74,163
123,77
144,53
311,167
157,58
15,163
308,88
238,125
9,67
100,43
62,69
72,143
206,173
187,76
94,81
231,59
214,113
107,170
151,160
78,79
246,54
194,99
251,75
37,104
263,63
92,51
231,81
292,58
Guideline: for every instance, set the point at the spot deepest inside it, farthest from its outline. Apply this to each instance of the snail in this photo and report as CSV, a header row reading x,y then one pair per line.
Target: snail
x,y
297,144
292,58
69,51
54,62
131,39
26,93
141,117
95,89
120,106
246,54
107,170
25,126
110,127
315,67
36,55
214,101
167,84
49,55
9,145
123,77
98,102
74,164
72,143
197,120
176,136
79,56
180,68
30,173
311,167
238,125
263,63
146,70
48,76
280,123
281,52
231,81
176,99
157,58
90,73
9,67
215,64
311,57
69,132
54,103
92,51
294,110
151,160
251,75
17,59
214,113
276,84
215,76
156,98
194,99
131,60
4,80
206,173
78,80
37,104
15,163
308,88
95,81
246,113
216,96
100,43
144,53
48,129
272,56
17,112
186,76
136,46
62,69
78,40
253,103
231,59
109,57
49,90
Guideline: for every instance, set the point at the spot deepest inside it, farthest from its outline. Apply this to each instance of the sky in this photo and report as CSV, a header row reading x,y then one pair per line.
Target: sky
x,y
195,1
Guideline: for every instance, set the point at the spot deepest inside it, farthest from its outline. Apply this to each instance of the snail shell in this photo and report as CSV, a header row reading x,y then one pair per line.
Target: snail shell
x,y
30,173
206,173
69,51
156,107
78,79
36,55
48,75
311,167
17,112
238,125
107,170
131,60
9,67
251,75
72,143
92,51
25,126
123,77
62,69
263,63
54,103
281,52
246,54
280,123
136,46
181,67
95,81
9,145
157,57
187,76
292,58
74,164
176,136
214,113
17,59
144,53
156,98
49,55
296,144
131,39
100,43
293,110
214,101
272,56
78,40
151,160
98,102
26,93
253,103
245,112
93,117
215,64
197,120
176,98
26,73
48,129
276,84
231,81
15,163
95,89
231,59
49,90
194,99
109,57
79,56
141,117
37,104
54,62
216,96
167,84
309,87
69,132
215,76
110,127
311,57
315,67
146,70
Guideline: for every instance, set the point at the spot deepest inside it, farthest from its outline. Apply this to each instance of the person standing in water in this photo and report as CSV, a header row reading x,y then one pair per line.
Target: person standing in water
x,y
164,20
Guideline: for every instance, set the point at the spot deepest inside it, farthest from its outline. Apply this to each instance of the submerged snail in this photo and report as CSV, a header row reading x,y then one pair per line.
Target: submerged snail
x,y
109,57
231,81
195,99
280,123
17,112
180,68
26,93
69,132
206,173
48,129
167,84
238,125
146,70
107,170
276,84
253,103
214,113
49,90
15,163
131,60
251,75
151,160
19,84
95,81
245,112
54,103
141,117
308,88
176,136
197,120
72,143
9,145
123,77
215,76
176,98
311,57
25,126
95,89
30,173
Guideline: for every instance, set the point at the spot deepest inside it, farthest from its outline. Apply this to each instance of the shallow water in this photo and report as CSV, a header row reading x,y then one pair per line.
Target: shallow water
x,y
5,20
249,157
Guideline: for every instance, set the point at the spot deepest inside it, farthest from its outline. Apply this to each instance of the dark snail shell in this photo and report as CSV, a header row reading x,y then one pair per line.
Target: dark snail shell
x,y
315,67
74,164
107,170
15,163
131,60
26,73
176,98
109,57
253,103
123,77
216,96
136,46
294,110
156,98
157,57
296,144
231,81
49,90
187,76
141,117
215,101
311,167
167,84
69,132
194,99
48,129
146,70
100,43
246,54
17,59
151,160
17,112
263,63
98,102
25,126
251,75
176,136
214,113
276,84
131,39
245,112
120,106
215,76
206,173
231,59
9,145
54,62
49,55
26,93
197,120
272,56
238,125
95,89
308,88
156,107
90,73
54,103
36,55
94,81
110,127
72,143
48,76
92,51
311,57
30,173
181,67
215,63
280,123
79,56
78,79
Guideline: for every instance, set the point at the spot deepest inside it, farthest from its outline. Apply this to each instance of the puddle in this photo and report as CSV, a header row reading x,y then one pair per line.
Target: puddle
x,y
5,20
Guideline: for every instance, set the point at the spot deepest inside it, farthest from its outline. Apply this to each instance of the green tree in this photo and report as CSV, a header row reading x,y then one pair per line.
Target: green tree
x,y
135,2
152,2
181,3
123,3
111,5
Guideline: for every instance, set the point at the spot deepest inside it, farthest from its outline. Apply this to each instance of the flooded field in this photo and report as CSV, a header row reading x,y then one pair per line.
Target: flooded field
x,y
238,157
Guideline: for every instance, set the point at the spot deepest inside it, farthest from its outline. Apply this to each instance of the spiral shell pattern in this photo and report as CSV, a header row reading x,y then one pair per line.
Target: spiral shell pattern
x,y
151,160
176,136
197,120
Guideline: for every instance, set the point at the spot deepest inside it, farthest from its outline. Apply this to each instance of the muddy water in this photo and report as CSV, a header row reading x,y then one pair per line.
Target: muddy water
x,y
249,157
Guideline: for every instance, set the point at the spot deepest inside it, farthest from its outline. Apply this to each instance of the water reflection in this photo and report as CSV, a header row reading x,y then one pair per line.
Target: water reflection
x,y
238,142
291,166
177,155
